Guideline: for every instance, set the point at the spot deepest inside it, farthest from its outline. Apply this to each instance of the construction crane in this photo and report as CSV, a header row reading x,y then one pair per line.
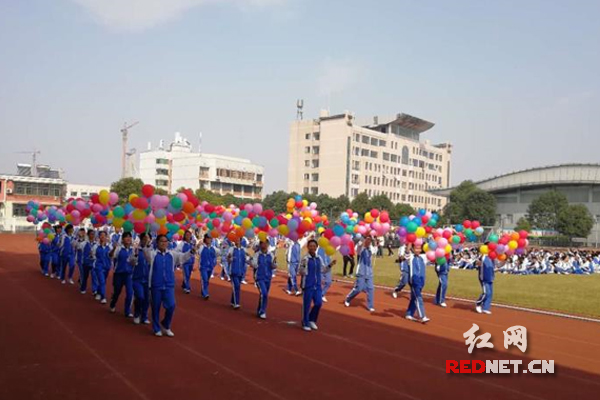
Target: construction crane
x,y
34,154
124,132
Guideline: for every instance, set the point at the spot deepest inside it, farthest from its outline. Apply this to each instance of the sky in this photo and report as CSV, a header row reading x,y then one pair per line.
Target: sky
x,y
511,84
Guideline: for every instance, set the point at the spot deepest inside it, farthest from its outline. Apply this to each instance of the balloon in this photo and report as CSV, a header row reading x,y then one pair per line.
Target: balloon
x,y
329,251
127,226
484,249
420,232
148,190
411,227
176,202
493,238
513,245
103,197
523,234
113,198
430,255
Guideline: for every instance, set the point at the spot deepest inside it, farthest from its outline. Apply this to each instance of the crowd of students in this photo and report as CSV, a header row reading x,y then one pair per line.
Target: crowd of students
x,y
144,266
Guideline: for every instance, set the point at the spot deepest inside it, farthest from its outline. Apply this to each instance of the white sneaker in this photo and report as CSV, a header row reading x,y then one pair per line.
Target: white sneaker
x,y
313,326
129,315
288,292
46,274
306,328
410,318
97,297
212,276
63,282
222,278
236,306
113,310
146,322
169,332
487,312
244,282
159,333
443,305
262,316
346,303
82,292
103,301
425,320
52,276
298,292
395,294
71,281
136,320
478,309
371,310
324,299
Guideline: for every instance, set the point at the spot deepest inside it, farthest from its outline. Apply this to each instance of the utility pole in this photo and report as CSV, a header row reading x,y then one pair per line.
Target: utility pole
x,y
125,132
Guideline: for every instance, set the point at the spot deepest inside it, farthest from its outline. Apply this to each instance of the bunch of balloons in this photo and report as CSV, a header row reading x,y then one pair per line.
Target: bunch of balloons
x,y
470,229
414,228
45,234
438,248
501,247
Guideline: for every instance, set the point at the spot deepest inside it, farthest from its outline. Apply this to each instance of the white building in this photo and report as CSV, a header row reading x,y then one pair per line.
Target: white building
x,y
337,155
177,165
75,190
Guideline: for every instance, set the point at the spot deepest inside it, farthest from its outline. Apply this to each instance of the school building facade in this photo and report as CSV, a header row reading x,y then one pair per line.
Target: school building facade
x,y
339,155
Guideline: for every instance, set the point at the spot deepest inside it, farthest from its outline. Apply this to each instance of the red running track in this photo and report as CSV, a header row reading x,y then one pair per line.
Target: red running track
x,y
58,344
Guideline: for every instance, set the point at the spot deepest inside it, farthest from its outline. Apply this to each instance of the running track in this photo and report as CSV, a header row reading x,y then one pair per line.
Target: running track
x,y
58,344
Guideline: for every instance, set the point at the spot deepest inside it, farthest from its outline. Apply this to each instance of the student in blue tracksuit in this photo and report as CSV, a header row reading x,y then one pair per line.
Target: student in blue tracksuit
x,y
55,252
245,243
87,262
102,265
416,280
78,245
403,276
442,271
45,250
208,261
310,269
264,263
224,252
272,249
364,274
185,246
122,275
486,280
67,255
141,275
293,262
236,260
326,279
162,263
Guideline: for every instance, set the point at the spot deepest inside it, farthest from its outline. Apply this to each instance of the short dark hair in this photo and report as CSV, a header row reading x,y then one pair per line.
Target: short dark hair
x,y
102,233
69,227
57,227
81,229
126,234
160,237
207,236
312,241
90,231
143,235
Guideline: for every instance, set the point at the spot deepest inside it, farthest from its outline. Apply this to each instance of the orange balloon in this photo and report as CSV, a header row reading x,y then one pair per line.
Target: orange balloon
x,y
188,207
162,230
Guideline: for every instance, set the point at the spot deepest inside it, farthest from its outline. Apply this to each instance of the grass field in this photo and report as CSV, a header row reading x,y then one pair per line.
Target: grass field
x,y
573,294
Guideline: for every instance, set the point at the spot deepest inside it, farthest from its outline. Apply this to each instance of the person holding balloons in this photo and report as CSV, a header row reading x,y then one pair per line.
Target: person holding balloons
x,y
416,280
208,261
184,246
364,274
310,269
102,265
140,278
123,273
403,276
264,263
442,269
67,255
293,262
45,250
87,262
486,280
326,278
162,263
224,252
237,260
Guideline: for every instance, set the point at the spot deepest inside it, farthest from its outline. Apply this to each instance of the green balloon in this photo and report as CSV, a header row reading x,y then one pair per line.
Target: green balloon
x,y
176,203
440,260
493,238
119,212
411,227
244,213
127,226
274,222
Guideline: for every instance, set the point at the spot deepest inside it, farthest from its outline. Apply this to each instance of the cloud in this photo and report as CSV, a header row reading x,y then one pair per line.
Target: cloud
x,y
140,15
336,76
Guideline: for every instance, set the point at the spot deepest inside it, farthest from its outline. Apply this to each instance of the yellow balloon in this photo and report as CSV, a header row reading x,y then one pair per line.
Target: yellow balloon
x,y
323,241
132,196
262,236
283,229
484,249
103,197
329,250
138,215
118,222
180,232
368,217
51,236
305,202
161,221
321,229
448,249
288,216
513,244
247,223
426,247
420,232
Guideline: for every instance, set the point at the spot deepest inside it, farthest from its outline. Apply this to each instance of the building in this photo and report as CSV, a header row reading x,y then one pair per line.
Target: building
x,y
177,165
40,183
75,190
338,155
515,191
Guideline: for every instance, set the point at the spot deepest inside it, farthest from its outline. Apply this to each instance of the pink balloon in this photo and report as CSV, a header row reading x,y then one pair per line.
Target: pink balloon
x,y
442,242
440,252
75,214
419,242
257,208
293,235
431,255
335,241
273,232
344,250
113,198
45,241
346,239
227,216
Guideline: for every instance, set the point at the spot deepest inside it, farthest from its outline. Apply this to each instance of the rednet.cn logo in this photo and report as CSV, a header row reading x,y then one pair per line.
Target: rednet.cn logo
x,y
515,335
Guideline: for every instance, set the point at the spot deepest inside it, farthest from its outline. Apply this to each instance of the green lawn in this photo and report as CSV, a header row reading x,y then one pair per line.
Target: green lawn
x,y
573,294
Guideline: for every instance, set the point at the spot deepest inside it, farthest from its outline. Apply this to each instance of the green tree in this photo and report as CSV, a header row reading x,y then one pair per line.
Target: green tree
x,y
400,210
160,191
523,224
382,202
361,204
277,201
467,201
575,220
126,186
543,212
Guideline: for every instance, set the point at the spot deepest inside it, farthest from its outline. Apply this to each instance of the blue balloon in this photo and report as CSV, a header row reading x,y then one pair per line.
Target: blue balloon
x,y
338,230
432,245
404,221
422,212
459,228
298,198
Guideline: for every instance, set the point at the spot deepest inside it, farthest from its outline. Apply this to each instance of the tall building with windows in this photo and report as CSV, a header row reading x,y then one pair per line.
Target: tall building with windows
x,y
338,155
177,165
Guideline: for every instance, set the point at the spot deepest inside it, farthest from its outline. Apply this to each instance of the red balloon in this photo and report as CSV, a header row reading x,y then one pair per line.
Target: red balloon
x,y
141,203
447,234
492,246
522,243
147,191
95,198
139,227
504,240
467,224
375,213
299,204
475,224
492,255
328,233
523,234
269,214
411,238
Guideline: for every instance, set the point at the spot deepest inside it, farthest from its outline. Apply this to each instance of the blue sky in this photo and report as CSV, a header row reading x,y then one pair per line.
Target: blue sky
x,y
512,84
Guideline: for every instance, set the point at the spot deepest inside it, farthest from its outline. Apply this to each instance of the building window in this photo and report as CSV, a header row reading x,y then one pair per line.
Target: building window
x,y
305,190
354,192
162,161
307,136
307,163
162,182
364,152
315,163
19,210
374,142
73,194
316,136
365,139
315,178
307,150
405,155
373,154
314,190
306,177
382,143
315,149
356,137
386,156
160,171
